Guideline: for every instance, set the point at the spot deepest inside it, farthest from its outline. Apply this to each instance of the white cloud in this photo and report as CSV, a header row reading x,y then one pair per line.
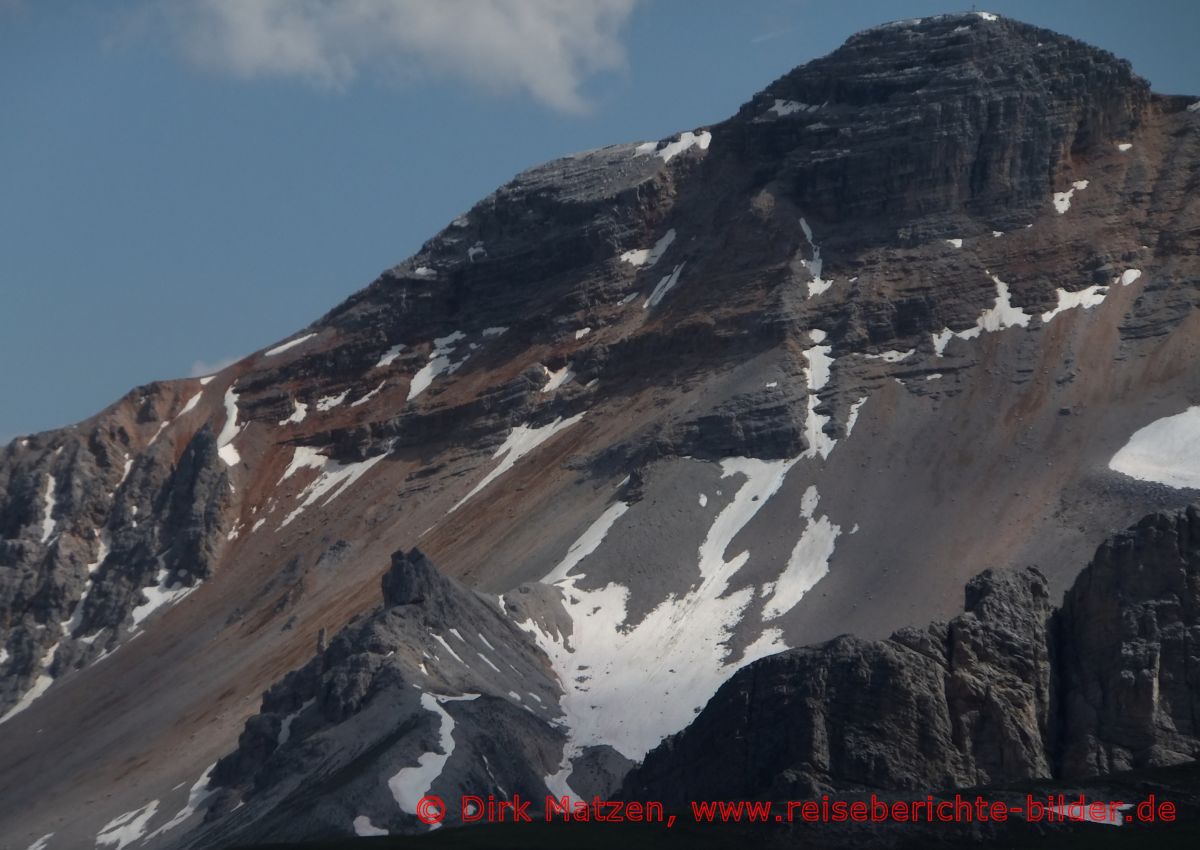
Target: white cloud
x,y
200,368
546,48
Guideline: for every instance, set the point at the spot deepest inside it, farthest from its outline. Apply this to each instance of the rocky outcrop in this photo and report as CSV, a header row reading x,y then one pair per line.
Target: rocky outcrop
x,y
1010,691
374,703
903,120
90,521
1129,663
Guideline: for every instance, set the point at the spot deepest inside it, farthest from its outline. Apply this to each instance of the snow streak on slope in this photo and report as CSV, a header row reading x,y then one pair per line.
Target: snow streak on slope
x,y
49,503
631,684
818,284
279,349
1089,297
160,594
808,563
1166,451
816,375
664,286
225,447
389,356
412,783
520,441
439,363
335,478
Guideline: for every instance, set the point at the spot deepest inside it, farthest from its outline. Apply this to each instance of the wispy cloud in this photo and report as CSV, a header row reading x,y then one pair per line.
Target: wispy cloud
x,y
546,48
769,36
200,368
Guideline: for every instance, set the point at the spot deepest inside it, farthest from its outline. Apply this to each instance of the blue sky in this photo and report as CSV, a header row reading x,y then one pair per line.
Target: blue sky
x,y
185,181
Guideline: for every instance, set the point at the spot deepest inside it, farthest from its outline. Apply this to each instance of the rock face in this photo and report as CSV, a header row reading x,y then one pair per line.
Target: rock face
x,y
1129,633
677,407
1011,690
904,121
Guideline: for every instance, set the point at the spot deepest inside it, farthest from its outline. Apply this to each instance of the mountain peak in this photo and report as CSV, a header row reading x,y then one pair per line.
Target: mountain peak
x,y
968,111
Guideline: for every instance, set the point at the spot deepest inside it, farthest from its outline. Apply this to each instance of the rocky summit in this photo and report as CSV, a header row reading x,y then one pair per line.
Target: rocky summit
x,y
648,475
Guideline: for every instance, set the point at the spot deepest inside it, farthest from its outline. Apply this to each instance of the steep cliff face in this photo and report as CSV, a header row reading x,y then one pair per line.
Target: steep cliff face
x,y
1011,690
934,119
1130,636
684,404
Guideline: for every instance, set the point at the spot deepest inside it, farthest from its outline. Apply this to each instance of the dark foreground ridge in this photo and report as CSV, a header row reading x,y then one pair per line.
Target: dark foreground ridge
x,y
1009,694
1010,690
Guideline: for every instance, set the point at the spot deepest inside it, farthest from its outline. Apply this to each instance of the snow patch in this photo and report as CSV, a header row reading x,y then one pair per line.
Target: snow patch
x,y
1167,451
476,251
582,332
557,378
954,243
1089,297
412,783
42,842
279,349
299,411
388,357
987,16
329,402
364,828
127,828
686,140
158,595
852,417
424,272
1123,147
649,256
1062,200
198,793
891,356
998,317
783,108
